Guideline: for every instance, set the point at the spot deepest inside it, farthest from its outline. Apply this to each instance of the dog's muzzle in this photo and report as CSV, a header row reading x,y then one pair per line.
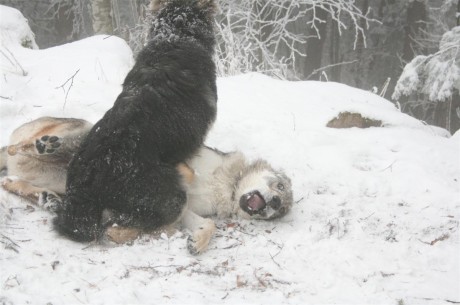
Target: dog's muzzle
x,y
252,203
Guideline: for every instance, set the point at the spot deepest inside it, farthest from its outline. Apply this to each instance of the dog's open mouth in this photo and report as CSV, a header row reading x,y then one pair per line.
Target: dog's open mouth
x,y
252,203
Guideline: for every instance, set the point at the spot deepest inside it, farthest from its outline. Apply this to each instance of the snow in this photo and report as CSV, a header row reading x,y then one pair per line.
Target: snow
x,y
376,219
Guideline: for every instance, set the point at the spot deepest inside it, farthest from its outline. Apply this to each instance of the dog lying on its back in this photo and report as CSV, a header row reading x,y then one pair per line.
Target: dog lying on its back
x,y
217,183
127,163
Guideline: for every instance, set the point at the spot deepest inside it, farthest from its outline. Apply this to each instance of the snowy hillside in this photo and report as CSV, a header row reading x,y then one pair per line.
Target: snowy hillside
x,y
376,218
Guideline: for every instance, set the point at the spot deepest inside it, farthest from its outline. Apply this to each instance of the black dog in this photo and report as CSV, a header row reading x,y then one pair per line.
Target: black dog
x,y
126,165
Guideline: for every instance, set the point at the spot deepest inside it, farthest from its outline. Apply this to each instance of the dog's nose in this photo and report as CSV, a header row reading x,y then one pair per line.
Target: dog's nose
x,y
275,203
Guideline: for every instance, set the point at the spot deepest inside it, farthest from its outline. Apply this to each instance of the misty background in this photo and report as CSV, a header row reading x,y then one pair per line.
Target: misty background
x,y
363,43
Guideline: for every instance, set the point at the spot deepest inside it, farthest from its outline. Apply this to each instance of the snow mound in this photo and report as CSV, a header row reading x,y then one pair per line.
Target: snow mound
x,y
14,29
375,221
63,80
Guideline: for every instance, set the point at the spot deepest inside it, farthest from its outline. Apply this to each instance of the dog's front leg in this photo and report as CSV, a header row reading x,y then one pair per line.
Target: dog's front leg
x,y
37,195
202,231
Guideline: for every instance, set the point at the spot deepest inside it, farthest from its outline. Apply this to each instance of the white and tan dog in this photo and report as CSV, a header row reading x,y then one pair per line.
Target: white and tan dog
x,y
217,183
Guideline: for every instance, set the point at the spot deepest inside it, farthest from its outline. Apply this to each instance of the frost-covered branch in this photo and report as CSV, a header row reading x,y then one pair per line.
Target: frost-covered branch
x,y
329,67
435,75
264,35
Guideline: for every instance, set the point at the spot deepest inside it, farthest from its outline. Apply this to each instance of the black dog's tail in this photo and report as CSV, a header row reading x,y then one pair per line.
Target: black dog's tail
x,y
79,222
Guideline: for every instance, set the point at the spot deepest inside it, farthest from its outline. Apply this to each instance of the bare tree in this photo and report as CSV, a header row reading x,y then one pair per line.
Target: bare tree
x,y
259,35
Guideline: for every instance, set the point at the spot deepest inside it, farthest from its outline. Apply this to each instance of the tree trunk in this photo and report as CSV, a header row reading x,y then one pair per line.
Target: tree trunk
x,y
458,13
125,16
360,46
454,112
315,48
335,58
416,19
102,20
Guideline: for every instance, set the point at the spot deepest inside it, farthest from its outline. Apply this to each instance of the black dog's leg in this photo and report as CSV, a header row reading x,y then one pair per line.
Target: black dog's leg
x,y
155,200
79,221
151,199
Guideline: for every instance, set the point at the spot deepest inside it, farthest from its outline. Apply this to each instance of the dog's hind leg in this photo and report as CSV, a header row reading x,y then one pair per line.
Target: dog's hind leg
x,y
47,147
36,195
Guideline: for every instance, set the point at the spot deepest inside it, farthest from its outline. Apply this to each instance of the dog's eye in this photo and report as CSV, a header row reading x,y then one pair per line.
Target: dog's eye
x,y
280,186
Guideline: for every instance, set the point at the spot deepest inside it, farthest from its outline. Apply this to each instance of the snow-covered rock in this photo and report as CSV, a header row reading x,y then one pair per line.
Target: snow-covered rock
x,y
14,29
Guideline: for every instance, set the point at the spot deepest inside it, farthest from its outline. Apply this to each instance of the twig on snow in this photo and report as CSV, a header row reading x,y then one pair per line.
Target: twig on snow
x,y
259,279
70,87
15,63
10,244
76,297
389,167
245,232
273,259
11,282
367,217
301,199
441,238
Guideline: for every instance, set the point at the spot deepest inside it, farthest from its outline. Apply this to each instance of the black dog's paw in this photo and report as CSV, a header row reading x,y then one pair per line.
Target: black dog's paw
x,y
49,200
47,144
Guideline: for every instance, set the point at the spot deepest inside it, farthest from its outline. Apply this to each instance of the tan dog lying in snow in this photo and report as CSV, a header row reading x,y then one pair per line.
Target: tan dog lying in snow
x,y
217,183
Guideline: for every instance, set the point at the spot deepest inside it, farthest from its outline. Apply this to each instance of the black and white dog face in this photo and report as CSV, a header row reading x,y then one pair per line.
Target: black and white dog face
x,y
263,193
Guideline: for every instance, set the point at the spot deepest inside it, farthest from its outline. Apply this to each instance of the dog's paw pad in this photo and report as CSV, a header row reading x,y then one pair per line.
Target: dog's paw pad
x,y
49,200
47,144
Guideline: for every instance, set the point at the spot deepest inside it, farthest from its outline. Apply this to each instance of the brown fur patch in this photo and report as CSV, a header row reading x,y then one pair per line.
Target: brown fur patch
x,y
46,130
187,173
121,235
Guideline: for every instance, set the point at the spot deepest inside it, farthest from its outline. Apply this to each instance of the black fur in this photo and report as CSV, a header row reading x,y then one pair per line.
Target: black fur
x,y
168,103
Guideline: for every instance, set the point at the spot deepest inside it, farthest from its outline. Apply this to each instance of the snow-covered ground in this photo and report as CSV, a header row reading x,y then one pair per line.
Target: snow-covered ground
x,y
376,218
